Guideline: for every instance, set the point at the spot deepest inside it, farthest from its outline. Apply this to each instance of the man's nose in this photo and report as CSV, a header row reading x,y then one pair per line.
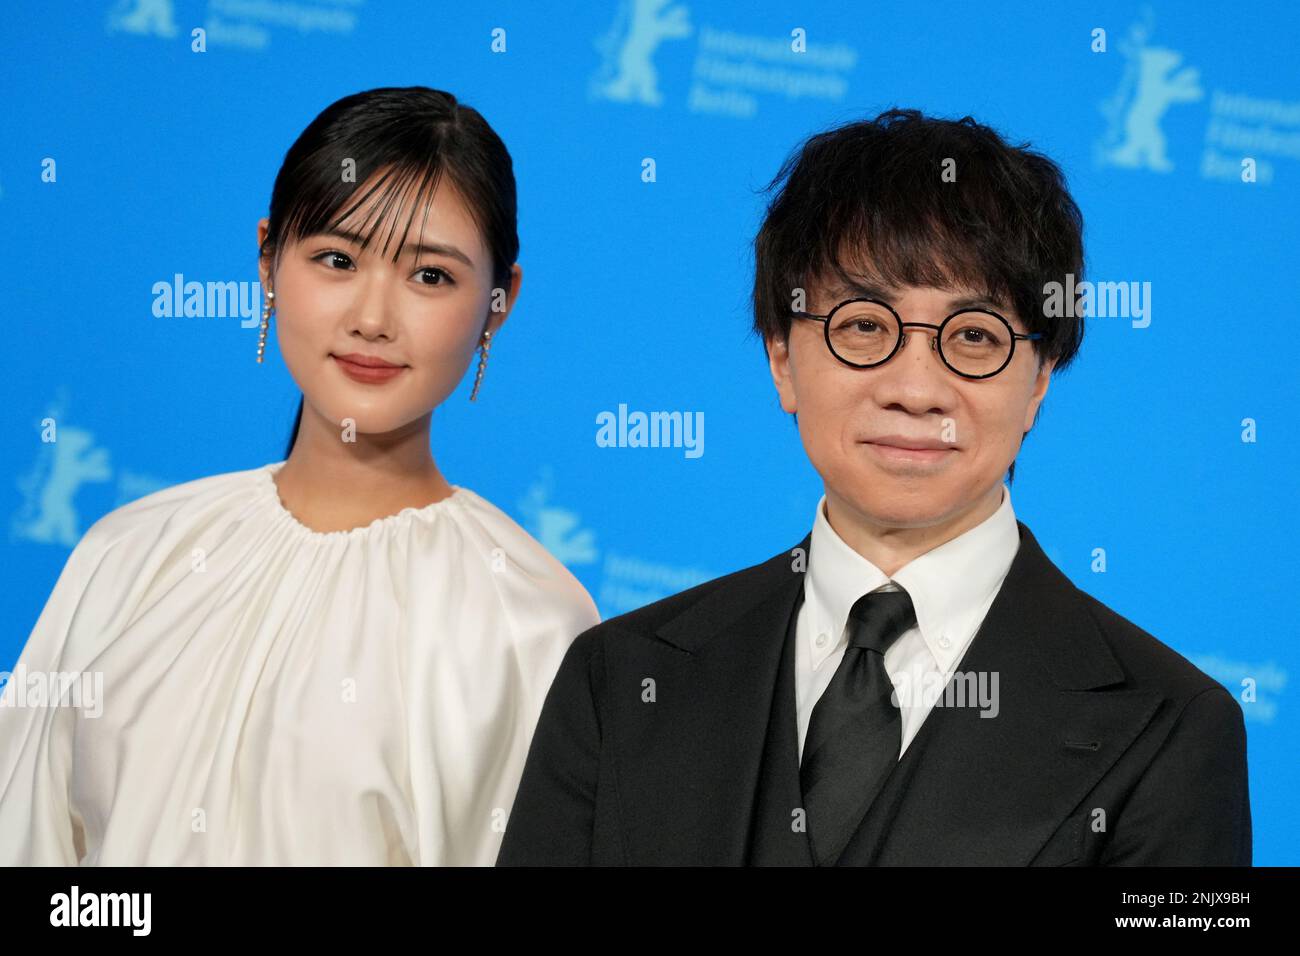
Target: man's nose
x,y
927,341
915,377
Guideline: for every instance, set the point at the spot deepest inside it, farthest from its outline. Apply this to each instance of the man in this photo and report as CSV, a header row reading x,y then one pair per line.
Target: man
x,y
915,682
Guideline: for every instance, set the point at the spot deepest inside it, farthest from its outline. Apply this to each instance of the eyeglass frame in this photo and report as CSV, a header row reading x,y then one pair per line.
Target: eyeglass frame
x,y
902,335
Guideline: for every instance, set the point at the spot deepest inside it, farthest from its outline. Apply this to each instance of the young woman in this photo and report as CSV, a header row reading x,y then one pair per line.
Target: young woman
x,y
338,658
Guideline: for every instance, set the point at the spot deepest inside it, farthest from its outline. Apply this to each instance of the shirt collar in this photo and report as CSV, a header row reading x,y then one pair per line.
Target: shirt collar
x,y
948,584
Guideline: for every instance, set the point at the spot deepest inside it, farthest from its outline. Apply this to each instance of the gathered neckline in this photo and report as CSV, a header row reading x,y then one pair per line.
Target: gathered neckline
x,y
266,477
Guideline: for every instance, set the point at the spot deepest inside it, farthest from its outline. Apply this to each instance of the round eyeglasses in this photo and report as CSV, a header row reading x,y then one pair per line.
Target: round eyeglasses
x,y
865,333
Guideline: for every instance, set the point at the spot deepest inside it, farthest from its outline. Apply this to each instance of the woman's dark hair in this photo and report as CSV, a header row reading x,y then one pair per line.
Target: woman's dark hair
x,y
869,202
413,134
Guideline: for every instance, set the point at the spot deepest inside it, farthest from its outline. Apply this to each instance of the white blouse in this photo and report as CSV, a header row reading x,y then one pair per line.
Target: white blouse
x,y
239,689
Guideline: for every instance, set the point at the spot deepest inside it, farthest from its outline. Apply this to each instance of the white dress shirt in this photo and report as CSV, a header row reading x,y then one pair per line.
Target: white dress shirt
x,y
951,586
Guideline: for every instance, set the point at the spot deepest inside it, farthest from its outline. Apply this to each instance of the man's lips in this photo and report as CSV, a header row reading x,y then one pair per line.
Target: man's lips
x,y
909,443
909,449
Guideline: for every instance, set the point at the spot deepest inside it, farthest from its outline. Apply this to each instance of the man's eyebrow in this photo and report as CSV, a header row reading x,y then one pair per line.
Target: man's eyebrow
x,y
417,249
891,295
866,290
977,302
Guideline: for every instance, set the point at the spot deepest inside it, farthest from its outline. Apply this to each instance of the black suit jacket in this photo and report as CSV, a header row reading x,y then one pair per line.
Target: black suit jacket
x,y
1108,747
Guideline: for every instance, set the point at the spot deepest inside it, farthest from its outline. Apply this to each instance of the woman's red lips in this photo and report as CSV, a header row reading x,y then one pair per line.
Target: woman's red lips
x,y
367,368
370,361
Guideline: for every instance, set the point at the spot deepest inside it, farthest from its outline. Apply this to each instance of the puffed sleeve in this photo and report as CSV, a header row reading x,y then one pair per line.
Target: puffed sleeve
x,y
37,826
492,613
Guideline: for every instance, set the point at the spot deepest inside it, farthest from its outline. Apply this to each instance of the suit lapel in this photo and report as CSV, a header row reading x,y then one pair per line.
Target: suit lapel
x,y
690,763
774,837
974,790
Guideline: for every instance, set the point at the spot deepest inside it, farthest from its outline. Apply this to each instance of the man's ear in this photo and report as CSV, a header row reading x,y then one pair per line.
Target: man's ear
x,y
778,360
1041,381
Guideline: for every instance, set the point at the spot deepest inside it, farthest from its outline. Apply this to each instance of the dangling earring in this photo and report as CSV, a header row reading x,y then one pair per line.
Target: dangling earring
x,y
266,319
482,364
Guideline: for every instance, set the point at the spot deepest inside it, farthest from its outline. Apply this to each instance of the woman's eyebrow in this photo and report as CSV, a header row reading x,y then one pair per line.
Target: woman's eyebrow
x,y
440,249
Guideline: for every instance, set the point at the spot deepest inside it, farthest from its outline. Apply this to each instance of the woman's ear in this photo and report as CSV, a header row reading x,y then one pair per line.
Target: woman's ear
x,y
503,300
263,262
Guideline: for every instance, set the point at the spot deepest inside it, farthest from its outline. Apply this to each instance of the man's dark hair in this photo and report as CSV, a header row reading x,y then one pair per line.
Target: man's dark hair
x,y
869,202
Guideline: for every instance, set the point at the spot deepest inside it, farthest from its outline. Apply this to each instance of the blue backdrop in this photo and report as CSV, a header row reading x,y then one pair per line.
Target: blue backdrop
x,y
138,154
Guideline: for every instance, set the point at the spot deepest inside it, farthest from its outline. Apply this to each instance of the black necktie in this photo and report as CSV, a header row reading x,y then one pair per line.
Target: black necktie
x,y
855,733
